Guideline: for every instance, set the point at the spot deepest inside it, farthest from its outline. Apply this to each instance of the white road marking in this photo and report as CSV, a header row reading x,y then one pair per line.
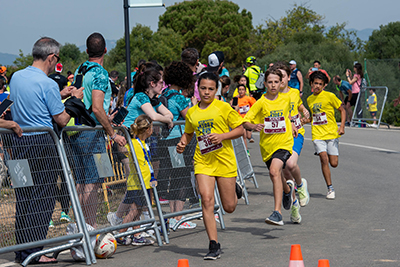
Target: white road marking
x,y
362,146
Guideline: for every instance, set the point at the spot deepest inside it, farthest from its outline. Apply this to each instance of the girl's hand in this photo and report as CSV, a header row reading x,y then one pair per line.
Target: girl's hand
x,y
180,147
215,138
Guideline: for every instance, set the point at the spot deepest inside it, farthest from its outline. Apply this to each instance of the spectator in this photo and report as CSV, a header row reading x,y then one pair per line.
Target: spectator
x,y
3,91
225,82
252,72
37,101
344,88
113,78
224,71
296,78
97,97
355,81
190,56
241,80
58,78
175,183
129,93
3,72
317,66
70,79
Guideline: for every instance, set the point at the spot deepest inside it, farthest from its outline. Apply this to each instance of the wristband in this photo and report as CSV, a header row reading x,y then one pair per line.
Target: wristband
x,y
113,137
292,121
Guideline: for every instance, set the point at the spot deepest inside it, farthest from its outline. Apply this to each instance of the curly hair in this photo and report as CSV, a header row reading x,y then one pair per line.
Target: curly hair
x,y
179,73
318,75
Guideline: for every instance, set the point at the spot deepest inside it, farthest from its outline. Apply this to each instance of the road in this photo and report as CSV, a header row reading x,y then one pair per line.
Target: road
x,y
359,228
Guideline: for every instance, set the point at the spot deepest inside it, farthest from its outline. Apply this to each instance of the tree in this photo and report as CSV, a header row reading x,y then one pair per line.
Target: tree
x,y
210,25
385,42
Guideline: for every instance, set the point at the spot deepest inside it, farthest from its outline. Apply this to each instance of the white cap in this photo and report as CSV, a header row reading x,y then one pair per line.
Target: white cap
x,y
292,62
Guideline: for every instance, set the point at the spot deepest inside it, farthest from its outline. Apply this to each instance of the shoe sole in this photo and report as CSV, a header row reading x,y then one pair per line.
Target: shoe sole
x,y
142,244
296,221
267,221
308,194
64,220
212,258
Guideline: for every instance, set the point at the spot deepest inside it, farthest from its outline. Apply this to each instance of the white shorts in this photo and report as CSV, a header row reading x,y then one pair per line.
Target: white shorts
x,y
330,146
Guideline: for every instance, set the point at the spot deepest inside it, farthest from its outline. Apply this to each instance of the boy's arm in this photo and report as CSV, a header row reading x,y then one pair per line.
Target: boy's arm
x,y
295,132
253,127
185,139
303,110
343,119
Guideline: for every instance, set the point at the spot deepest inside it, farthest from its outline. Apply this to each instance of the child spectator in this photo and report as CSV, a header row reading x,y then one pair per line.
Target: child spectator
x,y
270,116
241,79
372,105
324,130
134,200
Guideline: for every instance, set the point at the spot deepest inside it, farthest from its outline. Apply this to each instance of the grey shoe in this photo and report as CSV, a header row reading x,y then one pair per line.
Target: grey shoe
x,y
214,251
275,218
287,199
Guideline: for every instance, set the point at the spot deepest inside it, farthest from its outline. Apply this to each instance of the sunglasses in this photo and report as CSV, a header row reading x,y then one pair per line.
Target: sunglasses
x,y
57,57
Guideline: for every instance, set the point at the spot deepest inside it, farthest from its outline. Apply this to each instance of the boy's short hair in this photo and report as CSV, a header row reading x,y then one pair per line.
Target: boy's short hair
x,y
274,71
373,90
337,78
241,85
283,66
318,75
316,61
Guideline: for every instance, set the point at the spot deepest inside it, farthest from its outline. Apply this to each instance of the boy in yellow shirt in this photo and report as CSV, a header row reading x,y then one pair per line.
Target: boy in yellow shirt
x,y
270,116
292,170
324,129
373,106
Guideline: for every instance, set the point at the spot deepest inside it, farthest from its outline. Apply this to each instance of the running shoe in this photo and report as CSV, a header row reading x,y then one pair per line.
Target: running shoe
x,y
163,201
330,194
295,216
125,240
64,217
187,225
304,195
287,199
141,241
51,224
248,153
347,123
251,140
239,190
214,251
113,219
172,223
275,218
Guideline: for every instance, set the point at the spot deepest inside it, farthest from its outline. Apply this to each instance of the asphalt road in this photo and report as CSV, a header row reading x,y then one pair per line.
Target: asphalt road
x,y
359,228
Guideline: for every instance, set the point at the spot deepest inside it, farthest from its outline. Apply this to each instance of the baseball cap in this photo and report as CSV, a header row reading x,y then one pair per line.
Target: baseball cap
x,y
3,69
214,60
292,62
59,67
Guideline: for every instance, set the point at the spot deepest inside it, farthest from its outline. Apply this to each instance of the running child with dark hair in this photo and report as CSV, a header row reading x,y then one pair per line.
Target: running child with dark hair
x,y
324,129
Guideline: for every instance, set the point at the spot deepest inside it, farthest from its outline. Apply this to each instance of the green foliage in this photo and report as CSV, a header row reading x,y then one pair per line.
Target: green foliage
x,y
391,114
23,61
385,42
210,25
164,46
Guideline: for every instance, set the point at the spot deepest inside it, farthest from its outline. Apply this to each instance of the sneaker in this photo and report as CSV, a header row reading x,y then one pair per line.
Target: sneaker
x,y
163,201
275,218
347,124
330,194
251,140
125,240
172,223
304,195
239,190
141,241
113,219
295,216
248,153
214,251
187,225
374,125
287,199
51,224
64,217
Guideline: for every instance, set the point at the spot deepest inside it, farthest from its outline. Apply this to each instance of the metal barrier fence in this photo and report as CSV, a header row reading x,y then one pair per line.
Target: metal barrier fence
x,y
362,114
110,185
38,177
245,169
176,180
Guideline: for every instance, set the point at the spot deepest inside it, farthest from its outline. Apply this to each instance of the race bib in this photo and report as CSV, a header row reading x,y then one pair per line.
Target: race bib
x,y
274,125
244,109
297,122
206,146
319,118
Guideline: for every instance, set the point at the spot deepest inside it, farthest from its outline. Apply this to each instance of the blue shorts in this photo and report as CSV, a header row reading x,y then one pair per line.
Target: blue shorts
x,y
135,196
298,144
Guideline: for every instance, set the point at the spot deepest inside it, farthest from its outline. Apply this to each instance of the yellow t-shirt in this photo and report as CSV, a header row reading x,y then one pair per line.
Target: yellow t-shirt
x,y
133,179
323,123
373,107
295,103
236,93
218,117
272,139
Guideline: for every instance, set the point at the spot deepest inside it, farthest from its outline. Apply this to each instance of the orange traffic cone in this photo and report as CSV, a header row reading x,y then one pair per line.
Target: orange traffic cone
x,y
183,263
323,263
296,259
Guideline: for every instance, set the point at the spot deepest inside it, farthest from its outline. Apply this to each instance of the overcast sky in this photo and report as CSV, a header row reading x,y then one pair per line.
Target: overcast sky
x,y
23,22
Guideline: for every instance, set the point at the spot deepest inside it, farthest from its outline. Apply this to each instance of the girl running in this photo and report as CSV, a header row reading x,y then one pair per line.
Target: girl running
x,y
214,157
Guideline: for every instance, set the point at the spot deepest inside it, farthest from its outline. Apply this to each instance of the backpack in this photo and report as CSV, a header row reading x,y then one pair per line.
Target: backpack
x,y
363,84
260,80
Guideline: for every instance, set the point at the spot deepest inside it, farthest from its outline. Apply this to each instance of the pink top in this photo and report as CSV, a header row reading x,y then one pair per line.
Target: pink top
x,y
196,89
355,87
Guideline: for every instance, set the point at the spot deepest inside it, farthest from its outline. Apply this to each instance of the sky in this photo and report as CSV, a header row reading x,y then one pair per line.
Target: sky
x,y
23,22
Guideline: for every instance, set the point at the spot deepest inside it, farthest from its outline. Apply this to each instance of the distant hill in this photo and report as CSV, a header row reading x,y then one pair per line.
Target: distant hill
x,y
7,59
110,44
363,34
